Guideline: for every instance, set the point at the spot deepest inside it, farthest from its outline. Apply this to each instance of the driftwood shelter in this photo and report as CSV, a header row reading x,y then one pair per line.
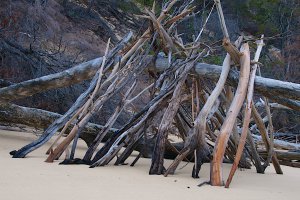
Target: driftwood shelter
x,y
211,119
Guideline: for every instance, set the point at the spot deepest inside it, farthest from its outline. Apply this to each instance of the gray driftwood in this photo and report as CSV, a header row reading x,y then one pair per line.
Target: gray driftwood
x,y
285,93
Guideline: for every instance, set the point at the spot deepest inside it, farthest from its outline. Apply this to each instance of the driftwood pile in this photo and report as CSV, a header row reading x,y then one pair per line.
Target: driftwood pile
x,y
213,123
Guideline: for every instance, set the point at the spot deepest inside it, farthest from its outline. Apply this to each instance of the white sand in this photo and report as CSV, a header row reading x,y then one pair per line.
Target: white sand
x,y
32,179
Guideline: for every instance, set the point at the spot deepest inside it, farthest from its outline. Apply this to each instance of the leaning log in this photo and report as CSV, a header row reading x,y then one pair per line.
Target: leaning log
x,y
285,93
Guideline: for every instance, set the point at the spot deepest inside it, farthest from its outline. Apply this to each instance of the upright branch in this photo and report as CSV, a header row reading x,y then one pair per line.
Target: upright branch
x,y
247,114
222,19
236,104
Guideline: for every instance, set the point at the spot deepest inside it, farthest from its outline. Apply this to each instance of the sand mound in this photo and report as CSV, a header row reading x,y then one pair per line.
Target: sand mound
x,y
31,179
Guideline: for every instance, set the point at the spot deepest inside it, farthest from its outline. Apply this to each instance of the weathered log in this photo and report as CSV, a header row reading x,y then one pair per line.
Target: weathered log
x,y
41,119
278,91
265,86
284,156
65,78
291,164
280,144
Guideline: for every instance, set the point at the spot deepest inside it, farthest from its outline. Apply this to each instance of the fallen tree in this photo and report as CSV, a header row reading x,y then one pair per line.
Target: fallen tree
x,y
285,93
284,156
41,119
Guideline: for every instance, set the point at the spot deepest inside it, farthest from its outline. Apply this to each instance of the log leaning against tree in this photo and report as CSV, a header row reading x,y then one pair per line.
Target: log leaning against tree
x,y
285,93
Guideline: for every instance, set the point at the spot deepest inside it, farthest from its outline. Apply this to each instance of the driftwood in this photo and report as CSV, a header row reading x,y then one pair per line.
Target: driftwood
x,y
197,133
279,144
291,164
174,104
41,119
284,93
247,116
284,155
175,101
265,137
221,143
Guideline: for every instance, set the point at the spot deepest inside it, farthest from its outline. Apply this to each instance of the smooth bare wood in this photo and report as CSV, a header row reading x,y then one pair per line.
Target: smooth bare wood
x,y
247,115
221,143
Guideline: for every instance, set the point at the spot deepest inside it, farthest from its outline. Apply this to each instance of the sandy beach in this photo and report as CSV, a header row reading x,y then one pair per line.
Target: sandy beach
x,y
32,179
